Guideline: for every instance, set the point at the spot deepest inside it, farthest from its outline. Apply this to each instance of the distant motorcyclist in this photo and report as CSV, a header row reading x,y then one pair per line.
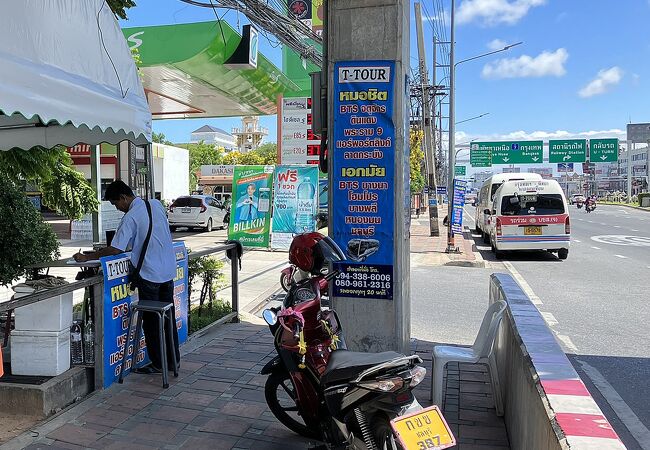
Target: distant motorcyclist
x,y
590,203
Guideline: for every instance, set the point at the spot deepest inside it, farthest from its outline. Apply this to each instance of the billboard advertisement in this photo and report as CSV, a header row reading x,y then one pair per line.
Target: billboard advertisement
x,y
250,216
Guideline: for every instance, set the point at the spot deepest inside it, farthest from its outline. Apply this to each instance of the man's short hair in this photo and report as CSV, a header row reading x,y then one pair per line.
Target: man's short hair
x,y
117,189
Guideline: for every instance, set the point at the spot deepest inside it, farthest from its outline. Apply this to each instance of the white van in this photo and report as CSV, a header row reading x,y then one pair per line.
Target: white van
x,y
529,215
486,195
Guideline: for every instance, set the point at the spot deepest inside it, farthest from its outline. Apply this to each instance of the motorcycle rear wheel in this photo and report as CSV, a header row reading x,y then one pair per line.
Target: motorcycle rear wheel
x,y
285,281
384,436
280,384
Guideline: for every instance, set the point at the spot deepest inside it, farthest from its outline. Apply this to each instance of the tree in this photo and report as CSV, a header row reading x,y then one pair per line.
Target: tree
x,y
25,238
416,161
266,154
160,138
119,7
64,189
202,154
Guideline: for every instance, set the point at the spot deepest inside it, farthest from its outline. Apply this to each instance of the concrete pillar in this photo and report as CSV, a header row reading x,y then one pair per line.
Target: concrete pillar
x,y
371,33
96,183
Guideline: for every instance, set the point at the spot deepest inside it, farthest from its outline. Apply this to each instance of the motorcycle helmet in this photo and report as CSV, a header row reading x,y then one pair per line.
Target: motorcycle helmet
x,y
312,251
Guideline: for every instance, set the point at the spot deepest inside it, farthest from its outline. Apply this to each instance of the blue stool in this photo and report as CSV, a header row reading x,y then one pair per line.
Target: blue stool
x,y
162,310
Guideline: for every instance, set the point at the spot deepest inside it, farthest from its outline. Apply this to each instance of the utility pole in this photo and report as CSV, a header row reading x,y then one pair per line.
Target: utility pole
x,y
428,141
452,129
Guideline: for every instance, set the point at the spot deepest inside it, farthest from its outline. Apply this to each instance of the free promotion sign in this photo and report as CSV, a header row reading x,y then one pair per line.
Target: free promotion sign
x,y
117,307
363,155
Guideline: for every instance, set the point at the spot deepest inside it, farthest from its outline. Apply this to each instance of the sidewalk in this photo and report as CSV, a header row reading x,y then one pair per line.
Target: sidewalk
x,y
429,250
218,403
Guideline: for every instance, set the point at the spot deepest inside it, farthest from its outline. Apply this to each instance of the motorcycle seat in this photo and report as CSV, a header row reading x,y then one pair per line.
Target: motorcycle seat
x,y
345,365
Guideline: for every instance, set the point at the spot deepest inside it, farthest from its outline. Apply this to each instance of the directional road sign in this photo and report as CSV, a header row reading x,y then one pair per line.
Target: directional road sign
x,y
480,156
514,152
567,150
603,150
460,170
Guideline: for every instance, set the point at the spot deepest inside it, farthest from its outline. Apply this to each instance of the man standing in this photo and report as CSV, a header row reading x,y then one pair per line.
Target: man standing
x,y
247,204
159,265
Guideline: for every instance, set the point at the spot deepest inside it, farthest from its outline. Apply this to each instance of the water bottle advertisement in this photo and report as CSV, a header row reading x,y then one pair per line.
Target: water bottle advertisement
x,y
250,219
117,302
295,203
363,176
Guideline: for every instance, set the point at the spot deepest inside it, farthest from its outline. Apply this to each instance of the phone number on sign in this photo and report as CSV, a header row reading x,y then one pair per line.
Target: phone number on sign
x,y
365,276
363,284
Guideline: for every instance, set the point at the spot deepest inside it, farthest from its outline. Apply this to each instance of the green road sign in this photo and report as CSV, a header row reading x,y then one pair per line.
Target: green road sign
x,y
603,150
460,170
515,152
480,156
567,151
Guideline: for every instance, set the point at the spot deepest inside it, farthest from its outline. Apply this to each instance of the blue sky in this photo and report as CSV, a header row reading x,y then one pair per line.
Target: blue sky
x,y
583,69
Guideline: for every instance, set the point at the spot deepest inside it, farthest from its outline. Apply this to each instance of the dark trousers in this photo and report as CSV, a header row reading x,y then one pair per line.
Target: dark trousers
x,y
161,292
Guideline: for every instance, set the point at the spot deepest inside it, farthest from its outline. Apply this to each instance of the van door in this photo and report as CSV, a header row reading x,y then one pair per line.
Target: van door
x,y
533,217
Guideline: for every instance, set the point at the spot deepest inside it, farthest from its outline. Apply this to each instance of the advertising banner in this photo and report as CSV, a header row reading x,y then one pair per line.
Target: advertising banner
x,y
298,144
250,216
460,187
117,306
363,155
295,203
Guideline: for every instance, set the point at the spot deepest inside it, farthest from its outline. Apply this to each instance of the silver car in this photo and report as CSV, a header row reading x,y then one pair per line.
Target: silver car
x,y
197,211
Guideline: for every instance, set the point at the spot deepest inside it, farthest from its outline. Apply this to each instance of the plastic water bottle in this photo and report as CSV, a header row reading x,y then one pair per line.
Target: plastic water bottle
x,y
76,351
305,206
89,342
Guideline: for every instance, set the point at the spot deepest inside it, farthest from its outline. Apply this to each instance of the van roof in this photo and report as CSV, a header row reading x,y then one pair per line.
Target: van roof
x,y
503,177
546,186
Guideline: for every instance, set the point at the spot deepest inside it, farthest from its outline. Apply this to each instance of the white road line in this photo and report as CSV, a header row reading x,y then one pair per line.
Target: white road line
x,y
524,285
590,221
603,224
622,410
568,343
549,318
623,211
617,226
581,220
595,248
483,248
469,215
636,231
575,240
621,256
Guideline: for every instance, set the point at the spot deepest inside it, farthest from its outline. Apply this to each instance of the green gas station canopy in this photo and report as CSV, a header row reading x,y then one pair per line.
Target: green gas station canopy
x,y
184,75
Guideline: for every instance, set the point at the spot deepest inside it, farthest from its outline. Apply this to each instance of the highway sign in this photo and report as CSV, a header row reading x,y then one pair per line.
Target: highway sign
x,y
480,156
603,150
565,167
515,152
460,170
567,150
638,132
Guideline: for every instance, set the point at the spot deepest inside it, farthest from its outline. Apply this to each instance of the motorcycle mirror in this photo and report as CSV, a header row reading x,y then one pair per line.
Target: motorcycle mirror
x,y
269,317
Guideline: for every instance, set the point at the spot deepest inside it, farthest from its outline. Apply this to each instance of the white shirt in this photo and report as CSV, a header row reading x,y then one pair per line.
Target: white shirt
x,y
159,264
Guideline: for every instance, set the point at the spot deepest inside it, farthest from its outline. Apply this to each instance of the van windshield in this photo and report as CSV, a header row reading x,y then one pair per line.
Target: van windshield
x,y
532,205
495,186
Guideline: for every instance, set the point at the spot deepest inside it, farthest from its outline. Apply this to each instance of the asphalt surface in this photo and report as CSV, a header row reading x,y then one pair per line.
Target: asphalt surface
x,y
596,301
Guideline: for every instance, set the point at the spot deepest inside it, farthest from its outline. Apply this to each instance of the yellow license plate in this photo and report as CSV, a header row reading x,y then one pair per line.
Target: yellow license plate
x,y
532,231
426,429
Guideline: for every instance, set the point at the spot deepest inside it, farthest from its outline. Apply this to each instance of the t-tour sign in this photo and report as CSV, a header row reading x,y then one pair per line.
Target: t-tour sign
x,y
369,74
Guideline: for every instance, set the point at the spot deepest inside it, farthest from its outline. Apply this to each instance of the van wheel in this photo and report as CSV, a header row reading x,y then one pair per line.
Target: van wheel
x,y
477,230
563,253
173,229
486,237
498,254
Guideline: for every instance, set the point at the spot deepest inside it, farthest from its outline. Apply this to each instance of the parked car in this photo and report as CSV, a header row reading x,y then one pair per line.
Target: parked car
x,y
577,198
197,211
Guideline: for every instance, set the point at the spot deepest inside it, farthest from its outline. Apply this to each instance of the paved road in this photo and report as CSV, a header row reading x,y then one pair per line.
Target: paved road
x,y
597,303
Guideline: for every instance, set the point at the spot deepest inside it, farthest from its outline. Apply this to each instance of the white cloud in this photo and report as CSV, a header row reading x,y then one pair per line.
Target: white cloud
x,y
498,44
605,79
494,12
545,64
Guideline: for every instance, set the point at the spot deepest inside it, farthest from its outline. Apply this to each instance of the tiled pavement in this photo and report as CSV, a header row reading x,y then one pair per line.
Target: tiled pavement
x,y
218,403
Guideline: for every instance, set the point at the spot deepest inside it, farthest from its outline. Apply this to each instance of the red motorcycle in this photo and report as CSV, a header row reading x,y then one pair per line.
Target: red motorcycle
x,y
292,275
319,389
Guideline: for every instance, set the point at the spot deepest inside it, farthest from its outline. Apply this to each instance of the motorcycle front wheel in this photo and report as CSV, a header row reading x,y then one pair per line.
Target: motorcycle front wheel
x,y
285,281
281,397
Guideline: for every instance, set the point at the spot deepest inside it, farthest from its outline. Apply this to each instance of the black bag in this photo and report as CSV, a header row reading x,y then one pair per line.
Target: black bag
x,y
134,272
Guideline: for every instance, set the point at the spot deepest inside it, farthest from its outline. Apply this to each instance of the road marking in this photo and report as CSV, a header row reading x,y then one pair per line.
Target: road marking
x,y
549,318
636,231
623,211
590,221
581,220
568,343
617,226
620,239
524,285
483,248
595,248
621,256
575,240
603,224
470,216
622,410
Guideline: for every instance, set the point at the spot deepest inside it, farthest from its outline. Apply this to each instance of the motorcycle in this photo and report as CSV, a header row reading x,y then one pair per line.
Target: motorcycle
x,y
579,205
292,275
590,207
320,390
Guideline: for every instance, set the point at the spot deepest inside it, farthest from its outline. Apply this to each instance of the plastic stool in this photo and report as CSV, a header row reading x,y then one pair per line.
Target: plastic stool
x,y
162,310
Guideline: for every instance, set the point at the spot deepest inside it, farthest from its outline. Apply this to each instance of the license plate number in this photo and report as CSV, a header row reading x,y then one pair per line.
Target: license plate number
x,y
186,210
426,429
533,231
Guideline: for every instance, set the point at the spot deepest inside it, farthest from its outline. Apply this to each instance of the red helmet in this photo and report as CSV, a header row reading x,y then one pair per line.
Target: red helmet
x,y
311,251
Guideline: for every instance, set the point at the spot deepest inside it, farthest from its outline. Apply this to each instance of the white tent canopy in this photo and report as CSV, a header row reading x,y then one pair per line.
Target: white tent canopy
x,y
67,77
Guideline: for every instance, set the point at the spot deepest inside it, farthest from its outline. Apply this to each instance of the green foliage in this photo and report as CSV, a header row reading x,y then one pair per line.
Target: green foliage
x,y
64,189
266,154
202,318
269,153
25,238
119,7
416,161
202,154
210,270
160,138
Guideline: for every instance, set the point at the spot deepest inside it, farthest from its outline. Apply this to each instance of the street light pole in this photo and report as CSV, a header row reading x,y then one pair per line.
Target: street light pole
x,y
452,129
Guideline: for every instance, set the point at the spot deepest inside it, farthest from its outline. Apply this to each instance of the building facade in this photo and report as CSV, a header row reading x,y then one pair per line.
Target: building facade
x,y
215,136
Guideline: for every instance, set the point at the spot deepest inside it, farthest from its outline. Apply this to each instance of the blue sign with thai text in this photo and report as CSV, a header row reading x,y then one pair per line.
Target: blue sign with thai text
x,y
363,153
117,301
460,187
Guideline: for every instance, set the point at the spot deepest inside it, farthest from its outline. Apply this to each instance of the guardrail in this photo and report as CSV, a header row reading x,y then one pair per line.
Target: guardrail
x,y
547,406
